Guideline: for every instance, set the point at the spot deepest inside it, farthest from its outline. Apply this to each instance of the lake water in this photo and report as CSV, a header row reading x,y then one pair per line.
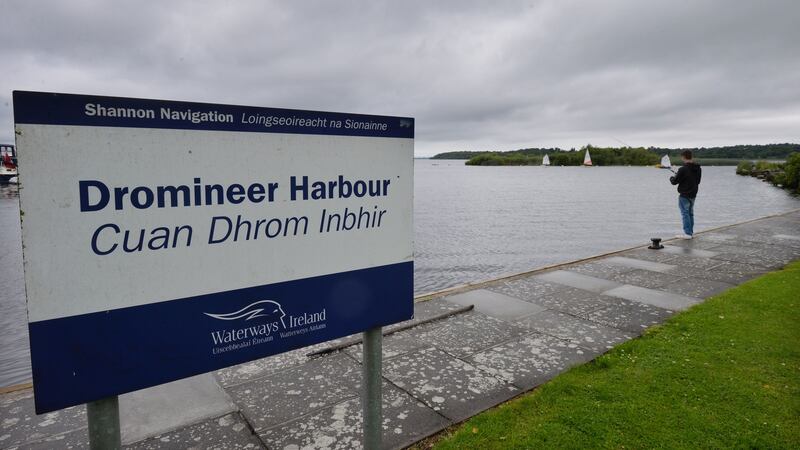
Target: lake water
x,y
15,365
477,223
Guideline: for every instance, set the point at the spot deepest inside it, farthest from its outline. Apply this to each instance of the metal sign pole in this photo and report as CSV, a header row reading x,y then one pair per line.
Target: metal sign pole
x,y
373,339
103,417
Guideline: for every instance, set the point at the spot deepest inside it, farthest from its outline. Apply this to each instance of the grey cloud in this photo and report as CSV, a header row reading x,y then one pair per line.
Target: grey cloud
x,y
476,75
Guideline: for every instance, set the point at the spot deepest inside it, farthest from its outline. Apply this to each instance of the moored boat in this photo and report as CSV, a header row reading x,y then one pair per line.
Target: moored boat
x,y
8,163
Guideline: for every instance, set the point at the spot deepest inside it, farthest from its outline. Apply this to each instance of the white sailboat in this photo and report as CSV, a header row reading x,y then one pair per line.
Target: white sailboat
x,y
666,163
546,160
587,160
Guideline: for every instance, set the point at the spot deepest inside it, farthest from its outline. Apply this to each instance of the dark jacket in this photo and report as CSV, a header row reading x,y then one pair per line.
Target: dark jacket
x,y
687,179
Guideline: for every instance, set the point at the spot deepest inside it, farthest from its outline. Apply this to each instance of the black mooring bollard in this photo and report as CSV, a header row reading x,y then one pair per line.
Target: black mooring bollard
x,y
656,245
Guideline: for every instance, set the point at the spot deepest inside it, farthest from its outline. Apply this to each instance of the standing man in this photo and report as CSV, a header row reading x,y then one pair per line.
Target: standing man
x,y
688,179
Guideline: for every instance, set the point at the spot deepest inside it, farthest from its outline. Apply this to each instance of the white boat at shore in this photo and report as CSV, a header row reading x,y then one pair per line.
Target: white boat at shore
x,y
8,163
546,160
587,159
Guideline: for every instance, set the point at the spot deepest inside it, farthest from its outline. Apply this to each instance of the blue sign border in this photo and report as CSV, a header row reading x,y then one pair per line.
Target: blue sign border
x,y
83,358
70,109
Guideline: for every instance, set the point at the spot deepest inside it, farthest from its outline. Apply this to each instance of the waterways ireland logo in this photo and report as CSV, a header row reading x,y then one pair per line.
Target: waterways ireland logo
x,y
253,310
259,322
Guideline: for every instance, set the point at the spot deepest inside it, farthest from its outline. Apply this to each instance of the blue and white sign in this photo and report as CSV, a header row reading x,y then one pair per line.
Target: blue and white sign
x,y
166,239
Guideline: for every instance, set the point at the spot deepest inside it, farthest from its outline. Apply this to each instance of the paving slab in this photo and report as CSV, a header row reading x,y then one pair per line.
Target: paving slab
x,y
786,243
750,239
787,237
753,234
270,401
531,360
263,367
162,408
423,312
734,268
697,287
430,308
467,333
645,278
740,258
579,281
703,242
599,268
629,316
78,439
448,385
19,424
741,233
653,297
590,335
573,301
650,255
782,251
685,251
495,304
634,263
716,236
765,255
772,258
765,239
405,420
552,295
744,245
721,273
527,289
426,310
738,249
694,262
230,431
393,345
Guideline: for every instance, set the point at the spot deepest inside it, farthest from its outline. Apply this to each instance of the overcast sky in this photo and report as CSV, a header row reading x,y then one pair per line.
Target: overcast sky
x,y
475,75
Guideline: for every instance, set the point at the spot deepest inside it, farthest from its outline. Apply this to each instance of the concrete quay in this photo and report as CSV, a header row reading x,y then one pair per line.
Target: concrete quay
x,y
466,350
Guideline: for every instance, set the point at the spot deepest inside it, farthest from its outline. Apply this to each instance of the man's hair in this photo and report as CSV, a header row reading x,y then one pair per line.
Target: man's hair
x,y
687,154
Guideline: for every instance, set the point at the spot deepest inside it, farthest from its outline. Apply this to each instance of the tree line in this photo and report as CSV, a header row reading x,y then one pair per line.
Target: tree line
x,y
608,156
738,152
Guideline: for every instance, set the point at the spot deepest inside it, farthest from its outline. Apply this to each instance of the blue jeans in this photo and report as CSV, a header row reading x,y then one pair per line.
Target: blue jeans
x,y
686,205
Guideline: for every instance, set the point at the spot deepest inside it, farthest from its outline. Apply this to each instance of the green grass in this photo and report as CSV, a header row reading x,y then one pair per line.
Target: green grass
x,y
724,374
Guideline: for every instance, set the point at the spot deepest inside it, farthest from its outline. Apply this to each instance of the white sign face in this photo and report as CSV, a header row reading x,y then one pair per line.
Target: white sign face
x,y
166,239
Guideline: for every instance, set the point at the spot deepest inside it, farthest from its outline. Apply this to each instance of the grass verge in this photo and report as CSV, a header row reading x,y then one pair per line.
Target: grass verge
x,y
724,374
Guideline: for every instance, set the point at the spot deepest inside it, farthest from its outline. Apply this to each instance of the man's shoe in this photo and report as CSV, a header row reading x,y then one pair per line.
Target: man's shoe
x,y
684,236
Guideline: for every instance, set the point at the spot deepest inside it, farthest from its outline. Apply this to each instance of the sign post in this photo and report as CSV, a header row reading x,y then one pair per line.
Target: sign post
x,y
104,429
373,418
167,239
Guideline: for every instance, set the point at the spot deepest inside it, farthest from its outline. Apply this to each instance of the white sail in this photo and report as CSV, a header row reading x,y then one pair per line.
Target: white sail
x,y
665,162
587,160
546,160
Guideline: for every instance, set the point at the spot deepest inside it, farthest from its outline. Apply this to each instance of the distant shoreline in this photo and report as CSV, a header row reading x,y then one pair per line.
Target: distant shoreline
x,y
716,156
717,162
